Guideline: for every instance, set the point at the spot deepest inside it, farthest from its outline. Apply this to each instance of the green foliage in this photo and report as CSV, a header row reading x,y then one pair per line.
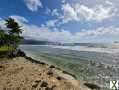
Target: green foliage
x,y
3,37
2,34
11,39
6,48
13,26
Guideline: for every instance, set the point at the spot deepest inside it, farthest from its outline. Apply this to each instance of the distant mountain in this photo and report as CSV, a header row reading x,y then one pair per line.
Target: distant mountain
x,y
36,42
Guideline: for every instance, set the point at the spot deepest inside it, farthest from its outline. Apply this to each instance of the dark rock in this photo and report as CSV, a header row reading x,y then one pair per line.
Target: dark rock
x,y
29,58
50,88
1,66
42,63
34,85
52,66
37,81
92,86
47,88
35,61
20,53
59,78
12,54
44,84
50,72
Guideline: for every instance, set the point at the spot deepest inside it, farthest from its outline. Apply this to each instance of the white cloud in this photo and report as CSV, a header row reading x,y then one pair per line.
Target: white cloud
x,y
78,12
107,34
108,2
19,18
51,23
63,1
55,12
45,33
33,5
2,24
97,13
99,32
48,11
69,13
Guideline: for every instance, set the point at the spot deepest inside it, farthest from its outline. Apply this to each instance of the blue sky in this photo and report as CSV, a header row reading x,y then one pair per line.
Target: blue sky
x,y
65,20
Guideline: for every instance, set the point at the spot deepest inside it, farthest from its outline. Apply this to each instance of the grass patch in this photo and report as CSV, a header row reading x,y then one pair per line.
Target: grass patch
x,y
6,48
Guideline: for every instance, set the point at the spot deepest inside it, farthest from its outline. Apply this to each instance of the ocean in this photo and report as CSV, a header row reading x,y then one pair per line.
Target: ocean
x,y
93,64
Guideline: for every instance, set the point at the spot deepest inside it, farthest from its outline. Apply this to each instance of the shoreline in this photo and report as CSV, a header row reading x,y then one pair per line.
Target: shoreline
x,y
62,72
30,58
98,66
53,70
20,73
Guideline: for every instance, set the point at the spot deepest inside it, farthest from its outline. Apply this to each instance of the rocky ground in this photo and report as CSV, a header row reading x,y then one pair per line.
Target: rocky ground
x,y
21,74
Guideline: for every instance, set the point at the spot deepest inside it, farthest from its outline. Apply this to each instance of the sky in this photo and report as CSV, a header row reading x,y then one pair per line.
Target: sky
x,y
77,21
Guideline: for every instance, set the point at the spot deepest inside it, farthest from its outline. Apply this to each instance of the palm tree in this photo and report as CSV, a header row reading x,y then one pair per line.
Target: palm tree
x,y
14,32
14,27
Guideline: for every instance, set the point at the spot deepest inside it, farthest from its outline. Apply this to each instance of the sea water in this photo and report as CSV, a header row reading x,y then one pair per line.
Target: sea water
x,y
93,64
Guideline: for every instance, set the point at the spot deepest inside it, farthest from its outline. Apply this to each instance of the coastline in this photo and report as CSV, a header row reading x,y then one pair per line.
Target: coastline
x,y
38,61
62,71
56,72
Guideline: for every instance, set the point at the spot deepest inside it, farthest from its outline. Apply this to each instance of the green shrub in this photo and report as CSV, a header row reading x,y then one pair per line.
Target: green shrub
x,y
6,48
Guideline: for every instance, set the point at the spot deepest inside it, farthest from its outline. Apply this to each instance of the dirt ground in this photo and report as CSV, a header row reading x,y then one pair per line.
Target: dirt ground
x,y
20,74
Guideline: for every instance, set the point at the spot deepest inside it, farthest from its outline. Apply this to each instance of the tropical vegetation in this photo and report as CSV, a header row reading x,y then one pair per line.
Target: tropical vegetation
x,y
10,37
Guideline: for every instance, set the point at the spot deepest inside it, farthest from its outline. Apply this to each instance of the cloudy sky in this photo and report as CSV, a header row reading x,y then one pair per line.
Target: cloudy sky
x,y
64,20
